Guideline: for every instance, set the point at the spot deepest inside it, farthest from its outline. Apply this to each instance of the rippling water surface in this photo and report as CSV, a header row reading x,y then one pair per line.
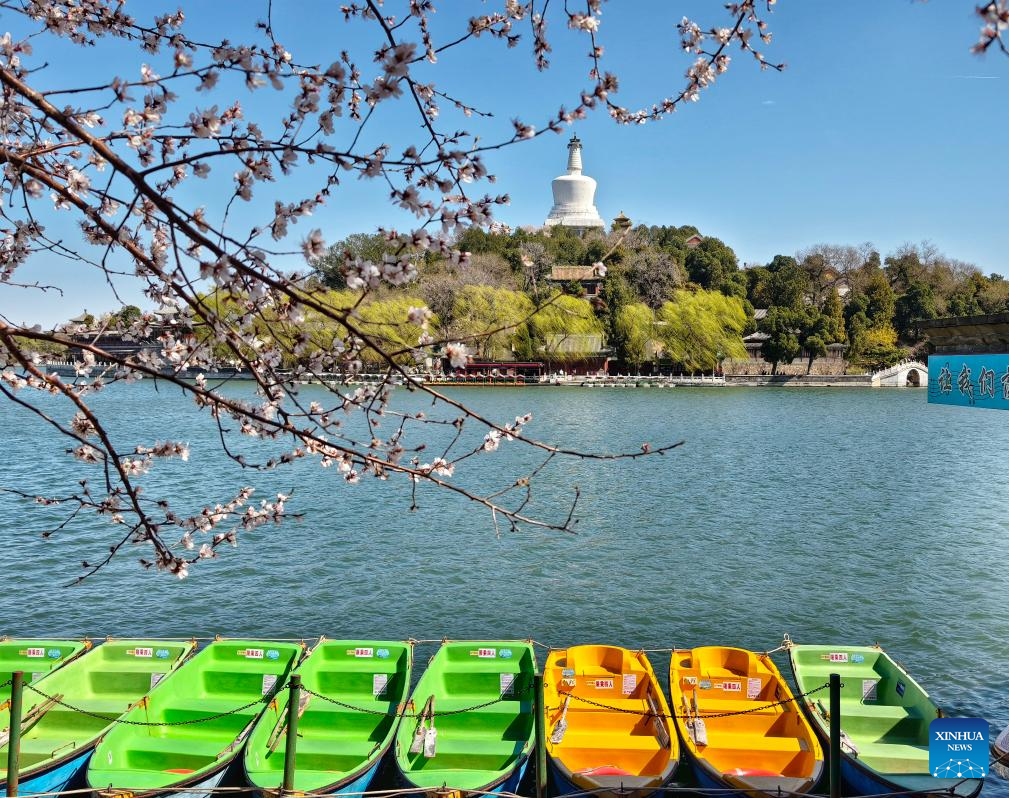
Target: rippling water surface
x,y
842,515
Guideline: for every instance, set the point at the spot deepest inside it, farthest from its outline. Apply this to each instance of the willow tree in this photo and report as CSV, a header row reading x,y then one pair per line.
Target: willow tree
x,y
700,329
566,329
636,326
495,320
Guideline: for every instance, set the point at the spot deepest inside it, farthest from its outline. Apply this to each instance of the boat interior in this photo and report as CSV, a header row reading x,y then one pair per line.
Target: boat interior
x,y
767,743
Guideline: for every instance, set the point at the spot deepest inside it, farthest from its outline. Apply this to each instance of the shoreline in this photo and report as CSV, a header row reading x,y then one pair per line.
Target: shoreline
x,y
569,381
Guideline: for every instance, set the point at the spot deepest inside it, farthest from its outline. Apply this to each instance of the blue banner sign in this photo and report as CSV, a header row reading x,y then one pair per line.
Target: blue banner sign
x,y
969,380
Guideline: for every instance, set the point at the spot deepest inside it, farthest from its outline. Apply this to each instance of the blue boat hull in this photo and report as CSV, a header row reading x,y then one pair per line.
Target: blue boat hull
x,y
861,781
64,776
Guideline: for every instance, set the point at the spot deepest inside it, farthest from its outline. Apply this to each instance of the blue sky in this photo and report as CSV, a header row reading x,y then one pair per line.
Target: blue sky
x,y
884,128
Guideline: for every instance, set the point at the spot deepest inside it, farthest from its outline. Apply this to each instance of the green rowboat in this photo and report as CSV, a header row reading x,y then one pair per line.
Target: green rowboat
x,y
885,716
56,738
485,748
34,658
208,709
339,745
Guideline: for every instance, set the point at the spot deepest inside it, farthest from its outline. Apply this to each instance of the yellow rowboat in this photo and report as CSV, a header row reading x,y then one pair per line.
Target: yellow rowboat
x,y
607,726
769,748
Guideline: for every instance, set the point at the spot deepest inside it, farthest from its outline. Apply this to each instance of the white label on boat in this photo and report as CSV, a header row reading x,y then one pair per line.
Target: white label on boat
x,y
35,652
379,682
364,652
141,652
753,685
630,683
732,687
251,653
36,675
869,689
155,678
603,684
269,682
507,683
486,653
838,656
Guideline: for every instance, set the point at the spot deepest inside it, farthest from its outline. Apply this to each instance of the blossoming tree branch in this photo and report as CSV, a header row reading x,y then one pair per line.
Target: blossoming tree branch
x,y
120,156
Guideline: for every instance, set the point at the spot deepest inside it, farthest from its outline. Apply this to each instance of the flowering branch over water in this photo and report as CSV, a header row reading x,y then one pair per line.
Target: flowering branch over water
x,y
160,172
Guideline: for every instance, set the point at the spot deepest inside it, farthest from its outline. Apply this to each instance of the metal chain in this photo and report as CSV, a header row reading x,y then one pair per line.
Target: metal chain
x,y
405,714
713,716
122,720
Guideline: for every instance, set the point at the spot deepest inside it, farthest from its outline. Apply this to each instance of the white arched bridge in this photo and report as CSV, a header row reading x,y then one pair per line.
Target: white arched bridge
x,y
906,374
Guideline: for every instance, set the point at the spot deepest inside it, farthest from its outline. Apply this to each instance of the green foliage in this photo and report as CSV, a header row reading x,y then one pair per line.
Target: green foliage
x,y
783,326
699,329
635,326
367,246
917,303
494,321
386,320
566,329
711,263
876,348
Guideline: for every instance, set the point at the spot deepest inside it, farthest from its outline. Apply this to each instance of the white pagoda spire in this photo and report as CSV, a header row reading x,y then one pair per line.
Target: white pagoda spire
x,y
574,194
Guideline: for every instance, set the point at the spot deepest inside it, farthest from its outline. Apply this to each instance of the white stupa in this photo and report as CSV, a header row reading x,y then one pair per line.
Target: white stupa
x,y
574,194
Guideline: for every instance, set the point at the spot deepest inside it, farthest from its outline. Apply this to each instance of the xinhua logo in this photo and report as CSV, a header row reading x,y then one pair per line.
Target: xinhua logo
x,y
958,748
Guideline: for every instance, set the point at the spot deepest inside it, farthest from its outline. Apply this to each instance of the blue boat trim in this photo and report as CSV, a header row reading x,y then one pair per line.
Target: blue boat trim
x,y
59,776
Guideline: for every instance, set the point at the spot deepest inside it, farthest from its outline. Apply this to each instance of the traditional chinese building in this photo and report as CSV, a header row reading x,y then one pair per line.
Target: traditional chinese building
x,y
590,278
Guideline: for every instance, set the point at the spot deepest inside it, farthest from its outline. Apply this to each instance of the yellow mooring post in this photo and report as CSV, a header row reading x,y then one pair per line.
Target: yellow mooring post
x,y
541,741
14,740
835,735
291,744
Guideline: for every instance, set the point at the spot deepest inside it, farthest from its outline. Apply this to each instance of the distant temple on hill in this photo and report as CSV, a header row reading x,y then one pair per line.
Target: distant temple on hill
x,y
574,195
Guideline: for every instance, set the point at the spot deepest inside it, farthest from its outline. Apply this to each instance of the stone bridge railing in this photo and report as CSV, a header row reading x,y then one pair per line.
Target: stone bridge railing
x,y
897,374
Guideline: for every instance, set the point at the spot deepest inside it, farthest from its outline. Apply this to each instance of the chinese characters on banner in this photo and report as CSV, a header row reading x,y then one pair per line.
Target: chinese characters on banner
x,y
969,380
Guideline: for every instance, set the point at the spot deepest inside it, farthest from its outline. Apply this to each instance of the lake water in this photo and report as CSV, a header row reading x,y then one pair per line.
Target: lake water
x,y
845,515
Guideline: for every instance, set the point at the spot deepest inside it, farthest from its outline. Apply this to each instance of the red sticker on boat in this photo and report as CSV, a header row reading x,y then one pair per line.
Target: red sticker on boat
x,y
33,652
251,653
835,656
140,652
732,687
603,684
364,652
485,653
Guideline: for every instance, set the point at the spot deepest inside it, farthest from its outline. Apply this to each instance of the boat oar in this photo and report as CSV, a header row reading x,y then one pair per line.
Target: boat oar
x,y
31,718
278,730
431,737
557,735
700,730
420,733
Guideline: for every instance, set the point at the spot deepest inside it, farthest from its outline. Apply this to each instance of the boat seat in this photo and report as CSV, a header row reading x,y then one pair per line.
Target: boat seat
x,y
575,739
715,705
750,742
856,708
193,746
815,675
894,757
43,747
357,748
104,706
636,704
